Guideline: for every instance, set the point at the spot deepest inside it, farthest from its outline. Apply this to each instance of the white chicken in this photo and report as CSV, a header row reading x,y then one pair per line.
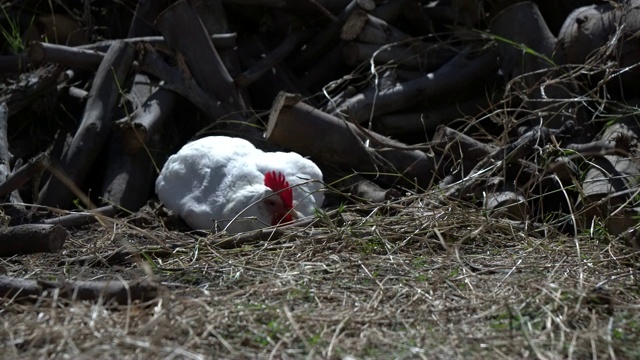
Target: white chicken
x,y
225,183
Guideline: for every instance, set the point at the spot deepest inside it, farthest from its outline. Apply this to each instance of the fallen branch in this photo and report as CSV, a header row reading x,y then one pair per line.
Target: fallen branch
x,y
75,58
122,293
117,257
452,77
31,171
272,59
130,168
184,33
94,126
460,146
82,218
31,238
298,126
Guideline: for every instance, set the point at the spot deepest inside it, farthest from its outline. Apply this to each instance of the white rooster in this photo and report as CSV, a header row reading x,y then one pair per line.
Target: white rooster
x,y
225,182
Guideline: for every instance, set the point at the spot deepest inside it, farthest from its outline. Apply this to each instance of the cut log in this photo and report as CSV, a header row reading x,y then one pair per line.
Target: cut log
x,y
129,168
404,56
452,77
76,219
267,85
605,33
214,18
427,120
541,87
108,292
328,68
144,15
32,170
353,187
268,3
94,126
29,86
506,201
608,184
124,255
178,82
324,41
417,17
184,33
460,146
220,41
271,60
14,64
366,190
75,58
31,238
5,156
336,142
14,209
367,28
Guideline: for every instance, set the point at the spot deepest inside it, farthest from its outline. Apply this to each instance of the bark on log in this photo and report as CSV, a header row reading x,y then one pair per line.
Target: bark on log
x,y
314,8
324,41
452,77
590,28
271,83
76,219
417,17
94,126
30,86
268,3
129,169
271,60
508,161
77,93
506,201
334,141
367,190
185,33
75,58
31,239
353,187
540,87
5,156
144,16
460,146
214,19
406,57
427,120
14,64
178,82
220,41
124,255
13,210
607,182
369,29
30,171
600,147
105,291
328,68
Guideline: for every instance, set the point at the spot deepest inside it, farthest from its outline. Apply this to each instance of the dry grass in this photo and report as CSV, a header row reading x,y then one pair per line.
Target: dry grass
x,y
425,282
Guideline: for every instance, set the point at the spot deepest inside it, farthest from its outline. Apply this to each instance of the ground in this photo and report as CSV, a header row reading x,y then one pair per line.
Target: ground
x,y
409,280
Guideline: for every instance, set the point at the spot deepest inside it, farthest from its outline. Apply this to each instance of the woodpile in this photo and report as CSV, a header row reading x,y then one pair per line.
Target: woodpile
x,y
499,103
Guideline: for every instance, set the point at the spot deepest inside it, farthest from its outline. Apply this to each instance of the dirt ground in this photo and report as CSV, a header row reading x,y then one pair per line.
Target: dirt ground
x,y
407,281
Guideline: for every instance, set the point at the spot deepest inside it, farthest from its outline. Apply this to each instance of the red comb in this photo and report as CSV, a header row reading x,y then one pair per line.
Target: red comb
x,y
277,182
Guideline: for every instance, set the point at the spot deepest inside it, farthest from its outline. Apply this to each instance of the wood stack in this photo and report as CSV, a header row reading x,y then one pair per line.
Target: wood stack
x,y
524,123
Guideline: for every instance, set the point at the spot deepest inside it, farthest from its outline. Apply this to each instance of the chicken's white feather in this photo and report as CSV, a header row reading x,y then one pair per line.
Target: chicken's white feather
x,y
215,179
